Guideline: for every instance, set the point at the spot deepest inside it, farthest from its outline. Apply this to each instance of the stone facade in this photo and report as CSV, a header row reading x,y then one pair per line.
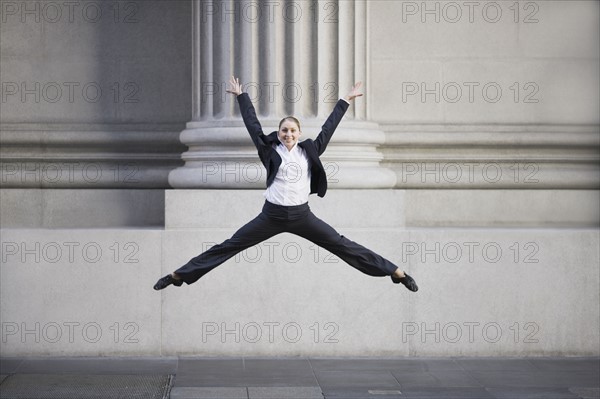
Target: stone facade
x,y
122,156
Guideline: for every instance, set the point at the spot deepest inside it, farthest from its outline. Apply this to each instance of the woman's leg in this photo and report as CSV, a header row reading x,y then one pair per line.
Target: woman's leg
x,y
356,255
257,230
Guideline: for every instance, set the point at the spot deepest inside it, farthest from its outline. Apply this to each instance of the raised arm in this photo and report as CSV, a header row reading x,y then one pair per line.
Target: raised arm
x,y
248,113
335,117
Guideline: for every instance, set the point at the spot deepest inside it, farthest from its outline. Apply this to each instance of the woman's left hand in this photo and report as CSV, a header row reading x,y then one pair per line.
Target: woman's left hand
x,y
354,92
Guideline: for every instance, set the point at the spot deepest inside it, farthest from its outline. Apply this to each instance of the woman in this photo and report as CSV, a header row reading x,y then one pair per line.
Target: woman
x,y
294,171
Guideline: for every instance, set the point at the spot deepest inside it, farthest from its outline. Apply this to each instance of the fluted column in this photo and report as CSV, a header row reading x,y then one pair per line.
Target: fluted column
x,y
293,58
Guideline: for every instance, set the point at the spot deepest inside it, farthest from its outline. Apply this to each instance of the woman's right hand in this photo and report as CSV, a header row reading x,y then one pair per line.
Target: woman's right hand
x,y
236,87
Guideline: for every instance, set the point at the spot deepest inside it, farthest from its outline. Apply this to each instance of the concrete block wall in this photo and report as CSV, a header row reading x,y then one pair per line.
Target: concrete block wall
x,y
487,287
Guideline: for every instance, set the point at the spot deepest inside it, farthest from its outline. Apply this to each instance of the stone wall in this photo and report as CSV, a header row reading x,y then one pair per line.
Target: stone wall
x,y
477,140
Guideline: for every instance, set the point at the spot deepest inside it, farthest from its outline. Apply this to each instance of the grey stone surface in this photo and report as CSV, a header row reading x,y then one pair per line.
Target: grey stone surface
x,y
105,49
70,386
559,133
455,60
356,379
550,379
446,393
110,156
245,372
112,269
81,208
284,393
345,378
21,208
544,156
208,393
10,365
397,365
362,393
310,313
571,364
586,393
498,208
187,209
107,365
440,378
313,282
514,327
491,364
532,393
96,99
366,364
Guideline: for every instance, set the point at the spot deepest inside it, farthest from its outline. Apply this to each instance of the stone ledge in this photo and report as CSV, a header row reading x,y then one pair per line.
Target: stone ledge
x,y
81,208
502,208
189,209
463,156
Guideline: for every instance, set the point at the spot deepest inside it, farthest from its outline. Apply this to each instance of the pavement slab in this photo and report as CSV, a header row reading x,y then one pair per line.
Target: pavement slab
x,y
302,378
78,386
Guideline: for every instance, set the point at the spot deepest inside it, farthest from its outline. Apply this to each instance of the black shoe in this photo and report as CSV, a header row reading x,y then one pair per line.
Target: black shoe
x,y
407,281
166,281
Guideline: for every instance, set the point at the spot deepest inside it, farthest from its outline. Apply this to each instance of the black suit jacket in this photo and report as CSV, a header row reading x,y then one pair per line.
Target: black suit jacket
x,y
314,148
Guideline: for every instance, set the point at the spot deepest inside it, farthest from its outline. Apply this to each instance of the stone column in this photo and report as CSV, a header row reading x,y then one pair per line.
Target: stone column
x,y
293,58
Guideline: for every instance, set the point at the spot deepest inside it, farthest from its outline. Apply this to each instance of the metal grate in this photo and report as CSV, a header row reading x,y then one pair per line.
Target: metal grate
x,y
72,386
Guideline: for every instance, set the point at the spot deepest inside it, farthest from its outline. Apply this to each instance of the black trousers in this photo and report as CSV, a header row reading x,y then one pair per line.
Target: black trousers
x,y
299,220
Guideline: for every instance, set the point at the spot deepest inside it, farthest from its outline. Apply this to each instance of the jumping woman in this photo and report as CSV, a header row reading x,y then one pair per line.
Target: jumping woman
x,y
294,171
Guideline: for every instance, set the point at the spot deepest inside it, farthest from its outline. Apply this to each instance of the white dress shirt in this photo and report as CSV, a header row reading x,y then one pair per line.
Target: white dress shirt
x,y
292,181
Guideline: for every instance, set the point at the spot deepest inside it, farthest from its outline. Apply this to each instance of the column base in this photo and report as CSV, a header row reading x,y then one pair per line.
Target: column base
x,y
221,155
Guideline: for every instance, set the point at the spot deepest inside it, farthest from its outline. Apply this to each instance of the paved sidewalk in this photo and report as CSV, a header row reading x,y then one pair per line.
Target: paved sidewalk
x,y
332,378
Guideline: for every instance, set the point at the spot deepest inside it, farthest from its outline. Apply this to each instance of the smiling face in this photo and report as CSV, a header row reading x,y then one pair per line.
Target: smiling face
x,y
289,132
